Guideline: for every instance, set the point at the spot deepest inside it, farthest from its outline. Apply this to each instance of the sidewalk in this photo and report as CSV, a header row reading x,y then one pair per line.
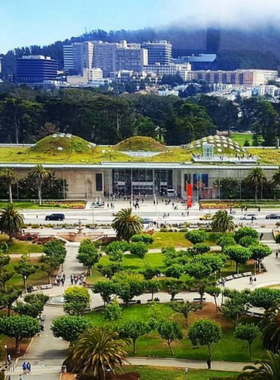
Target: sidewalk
x,y
184,363
46,353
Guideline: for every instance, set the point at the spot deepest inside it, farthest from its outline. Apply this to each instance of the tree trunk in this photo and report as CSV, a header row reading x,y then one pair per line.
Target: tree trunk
x,y
17,346
9,310
237,268
209,351
40,194
215,300
170,348
152,296
256,192
50,278
250,349
10,193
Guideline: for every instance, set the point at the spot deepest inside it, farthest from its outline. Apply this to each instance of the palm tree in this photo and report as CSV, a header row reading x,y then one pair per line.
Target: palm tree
x,y
257,178
126,225
11,220
270,327
97,350
222,222
266,369
276,177
39,174
9,176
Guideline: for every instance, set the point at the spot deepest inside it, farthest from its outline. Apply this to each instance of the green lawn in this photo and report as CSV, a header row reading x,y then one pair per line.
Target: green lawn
x,y
240,138
167,373
45,205
164,239
133,262
229,348
21,247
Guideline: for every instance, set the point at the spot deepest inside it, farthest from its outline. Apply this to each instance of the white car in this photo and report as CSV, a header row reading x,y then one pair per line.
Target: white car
x,y
249,217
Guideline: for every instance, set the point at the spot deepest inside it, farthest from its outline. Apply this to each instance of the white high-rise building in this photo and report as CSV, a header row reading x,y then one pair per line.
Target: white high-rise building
x,y
78,56
158,52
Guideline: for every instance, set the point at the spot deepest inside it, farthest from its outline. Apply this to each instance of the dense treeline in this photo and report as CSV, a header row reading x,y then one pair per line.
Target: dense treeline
x,y
250,48
28,115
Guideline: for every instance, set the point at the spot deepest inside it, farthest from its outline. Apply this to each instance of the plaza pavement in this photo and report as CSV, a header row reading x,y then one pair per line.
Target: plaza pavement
x,y
46,353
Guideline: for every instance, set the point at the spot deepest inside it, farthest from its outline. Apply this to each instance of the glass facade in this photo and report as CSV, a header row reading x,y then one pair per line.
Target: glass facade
x,y
142,181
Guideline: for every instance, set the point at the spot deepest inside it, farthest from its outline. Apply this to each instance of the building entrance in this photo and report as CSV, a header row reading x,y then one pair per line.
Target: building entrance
x,y
142,181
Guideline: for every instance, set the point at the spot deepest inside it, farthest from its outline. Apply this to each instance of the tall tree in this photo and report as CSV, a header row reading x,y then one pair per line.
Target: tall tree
x,y
11,220
97,350
249,333
9,176
257,178
133,329
39,174
170,331
205,332
185,308
126,225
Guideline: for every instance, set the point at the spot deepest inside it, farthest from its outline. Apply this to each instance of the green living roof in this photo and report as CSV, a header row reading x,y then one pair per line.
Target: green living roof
x,y
68,149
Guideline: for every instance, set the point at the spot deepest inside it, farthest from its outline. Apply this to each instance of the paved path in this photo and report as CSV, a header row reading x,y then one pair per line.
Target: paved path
x,y
47,353
184,363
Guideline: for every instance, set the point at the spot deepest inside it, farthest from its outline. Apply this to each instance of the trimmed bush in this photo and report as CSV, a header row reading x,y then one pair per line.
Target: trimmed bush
x,y
139,249
196,236
144,238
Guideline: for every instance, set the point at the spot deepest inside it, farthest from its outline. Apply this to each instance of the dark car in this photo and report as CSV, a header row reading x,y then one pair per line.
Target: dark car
x,y
55,217
272,216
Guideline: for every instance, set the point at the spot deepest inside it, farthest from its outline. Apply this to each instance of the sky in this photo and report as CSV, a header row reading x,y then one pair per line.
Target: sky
x,y
42,22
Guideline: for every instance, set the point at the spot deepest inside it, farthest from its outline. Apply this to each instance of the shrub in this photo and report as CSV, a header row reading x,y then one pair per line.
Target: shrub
x,y
246,241
144,238
200,248
112,311
117,246
196,236
139,249
245,231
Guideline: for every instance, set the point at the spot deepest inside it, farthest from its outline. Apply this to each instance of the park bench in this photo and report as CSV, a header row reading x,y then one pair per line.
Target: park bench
x,y
178,300
247,274
45,287
154,300
237,275
199,299
228,278
99,308
90,286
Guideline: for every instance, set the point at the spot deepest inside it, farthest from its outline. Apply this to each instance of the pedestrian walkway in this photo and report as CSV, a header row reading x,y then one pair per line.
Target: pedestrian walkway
x,y
46,353
184,363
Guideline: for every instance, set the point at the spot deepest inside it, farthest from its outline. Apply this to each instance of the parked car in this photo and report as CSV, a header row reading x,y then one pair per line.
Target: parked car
x,y
147,221
55,217
206,217
249,217
272,216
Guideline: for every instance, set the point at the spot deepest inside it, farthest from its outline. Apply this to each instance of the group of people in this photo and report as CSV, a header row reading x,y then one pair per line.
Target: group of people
x,y
78,280
26,367
60,279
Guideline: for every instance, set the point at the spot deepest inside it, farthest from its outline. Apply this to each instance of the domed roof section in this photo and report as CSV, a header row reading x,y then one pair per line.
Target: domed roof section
x,y
140,143
222,145
61,142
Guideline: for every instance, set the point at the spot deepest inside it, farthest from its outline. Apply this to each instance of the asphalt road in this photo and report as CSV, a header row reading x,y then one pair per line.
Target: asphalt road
x,y
160,213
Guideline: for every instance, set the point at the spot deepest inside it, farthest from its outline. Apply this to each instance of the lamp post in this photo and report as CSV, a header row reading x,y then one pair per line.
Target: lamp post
x,y
6,353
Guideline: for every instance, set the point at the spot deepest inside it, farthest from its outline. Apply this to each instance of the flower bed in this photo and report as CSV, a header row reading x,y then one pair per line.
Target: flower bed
x,y
219,205
72,205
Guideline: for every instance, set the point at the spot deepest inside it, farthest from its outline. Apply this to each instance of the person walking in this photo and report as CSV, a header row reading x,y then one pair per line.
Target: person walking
x,y
276,254
28,367
24,367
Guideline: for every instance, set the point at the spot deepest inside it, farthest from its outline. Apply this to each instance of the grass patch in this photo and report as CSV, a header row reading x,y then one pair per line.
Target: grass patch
x,y
164,239
133,262
229,348
167,373
140,143
21,247
240,138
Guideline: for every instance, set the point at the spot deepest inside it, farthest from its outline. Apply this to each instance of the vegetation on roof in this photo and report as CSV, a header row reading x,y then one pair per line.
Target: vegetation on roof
x,y
58,143
140,143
